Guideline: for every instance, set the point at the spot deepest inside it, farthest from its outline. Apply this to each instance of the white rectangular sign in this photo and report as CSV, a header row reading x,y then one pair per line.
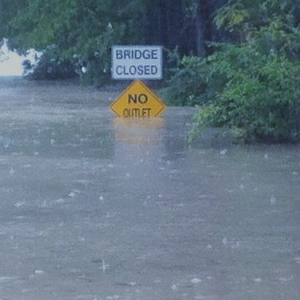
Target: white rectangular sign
x,y
137,62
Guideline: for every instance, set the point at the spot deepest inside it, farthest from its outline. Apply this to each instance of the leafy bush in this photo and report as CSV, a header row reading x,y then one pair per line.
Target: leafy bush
x,y
260,100
190,81
187,86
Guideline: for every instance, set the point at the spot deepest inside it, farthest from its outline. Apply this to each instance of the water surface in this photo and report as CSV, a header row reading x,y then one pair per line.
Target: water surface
x,y
97,207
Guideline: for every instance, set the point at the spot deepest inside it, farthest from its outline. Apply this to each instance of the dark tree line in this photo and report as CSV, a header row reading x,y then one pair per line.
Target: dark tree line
x,y
82,32
187,25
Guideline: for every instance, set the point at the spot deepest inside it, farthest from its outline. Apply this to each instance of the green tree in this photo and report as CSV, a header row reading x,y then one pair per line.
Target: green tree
x,y
81,32
251,85
76,31
183,24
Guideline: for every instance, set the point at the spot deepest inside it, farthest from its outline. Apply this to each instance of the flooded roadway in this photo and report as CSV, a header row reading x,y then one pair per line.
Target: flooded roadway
x,y
95,207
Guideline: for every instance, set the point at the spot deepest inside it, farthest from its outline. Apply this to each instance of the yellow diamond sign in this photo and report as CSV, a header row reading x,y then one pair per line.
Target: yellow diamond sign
x,y
138,101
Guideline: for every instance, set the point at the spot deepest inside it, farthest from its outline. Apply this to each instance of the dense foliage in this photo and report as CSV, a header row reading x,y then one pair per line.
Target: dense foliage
x,y
81,32
251,85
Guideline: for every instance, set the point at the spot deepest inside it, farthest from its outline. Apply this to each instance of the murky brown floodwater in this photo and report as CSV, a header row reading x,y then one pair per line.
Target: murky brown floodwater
x,y
98,207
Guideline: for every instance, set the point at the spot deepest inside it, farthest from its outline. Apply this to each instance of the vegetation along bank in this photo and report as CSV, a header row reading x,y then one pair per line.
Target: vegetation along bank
x,y
238,60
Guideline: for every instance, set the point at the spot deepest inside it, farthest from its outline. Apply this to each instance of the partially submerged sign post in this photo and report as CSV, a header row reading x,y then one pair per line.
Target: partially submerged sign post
x,y
137,62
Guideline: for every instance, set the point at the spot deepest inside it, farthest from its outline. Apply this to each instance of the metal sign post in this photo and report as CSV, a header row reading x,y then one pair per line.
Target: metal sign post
x,y
136,63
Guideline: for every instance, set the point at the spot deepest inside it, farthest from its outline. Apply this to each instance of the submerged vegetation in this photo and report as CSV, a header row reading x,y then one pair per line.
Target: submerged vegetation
x,y
238,60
